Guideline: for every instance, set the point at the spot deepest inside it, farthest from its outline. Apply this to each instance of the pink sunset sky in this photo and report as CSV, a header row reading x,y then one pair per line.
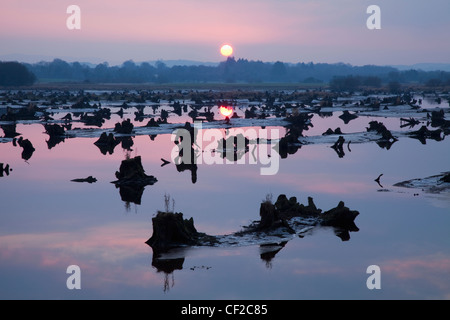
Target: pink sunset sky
x,y
268,30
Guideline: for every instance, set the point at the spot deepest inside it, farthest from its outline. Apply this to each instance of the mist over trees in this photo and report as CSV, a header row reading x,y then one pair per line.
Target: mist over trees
x,y
339,76
231,71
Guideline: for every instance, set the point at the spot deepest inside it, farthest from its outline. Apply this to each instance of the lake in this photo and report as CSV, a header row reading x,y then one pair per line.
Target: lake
x,y
49,222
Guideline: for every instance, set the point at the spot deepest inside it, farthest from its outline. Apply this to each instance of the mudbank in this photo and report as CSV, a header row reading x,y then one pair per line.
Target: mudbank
x,y
432,184
424,133
281,220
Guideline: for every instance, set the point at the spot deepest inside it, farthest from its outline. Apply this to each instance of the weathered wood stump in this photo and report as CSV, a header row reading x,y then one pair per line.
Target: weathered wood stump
x,y
132,172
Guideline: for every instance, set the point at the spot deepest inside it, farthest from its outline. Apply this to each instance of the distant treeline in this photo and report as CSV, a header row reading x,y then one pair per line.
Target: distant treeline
x,y
339,75
15,74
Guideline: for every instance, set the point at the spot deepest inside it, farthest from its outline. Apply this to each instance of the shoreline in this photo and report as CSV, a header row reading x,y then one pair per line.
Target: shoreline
x,y
210,86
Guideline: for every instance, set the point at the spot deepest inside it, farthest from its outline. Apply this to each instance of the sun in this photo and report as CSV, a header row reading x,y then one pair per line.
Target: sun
x,y
226,111
226,50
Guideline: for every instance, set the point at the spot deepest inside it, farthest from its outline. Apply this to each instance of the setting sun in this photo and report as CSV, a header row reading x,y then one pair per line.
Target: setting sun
x,y
226,50
226,111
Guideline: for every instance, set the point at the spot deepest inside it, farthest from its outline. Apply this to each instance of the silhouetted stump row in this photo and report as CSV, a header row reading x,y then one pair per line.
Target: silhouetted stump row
x,y
273,215
126,127
276,215
131,172
106,143
380,128
330,131
26,113
424,133
338,146
438,119
170,230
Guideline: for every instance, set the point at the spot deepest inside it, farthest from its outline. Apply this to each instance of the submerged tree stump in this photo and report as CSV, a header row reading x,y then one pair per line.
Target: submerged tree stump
x,y
132,172
170,230
341,216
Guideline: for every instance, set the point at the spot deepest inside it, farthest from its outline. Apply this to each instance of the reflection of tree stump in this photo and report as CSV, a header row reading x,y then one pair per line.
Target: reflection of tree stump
x,y
28,148
438,119
9,130
424,133
132,180
168,266
106,143
338,146
233,148
347,116
5,170
268,251
131,193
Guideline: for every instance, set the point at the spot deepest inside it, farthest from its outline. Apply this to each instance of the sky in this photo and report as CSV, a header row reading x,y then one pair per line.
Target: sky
x,y
327,31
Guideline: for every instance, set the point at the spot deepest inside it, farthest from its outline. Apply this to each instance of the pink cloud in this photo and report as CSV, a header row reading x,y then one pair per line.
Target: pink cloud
x,y
181,21
433,269
323,183
418,267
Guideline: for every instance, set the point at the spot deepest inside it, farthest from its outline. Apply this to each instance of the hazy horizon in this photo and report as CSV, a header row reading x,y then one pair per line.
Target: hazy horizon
x,y
34,59
290,31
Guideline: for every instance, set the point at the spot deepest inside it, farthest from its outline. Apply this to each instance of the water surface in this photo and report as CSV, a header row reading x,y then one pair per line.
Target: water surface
x,y
49,222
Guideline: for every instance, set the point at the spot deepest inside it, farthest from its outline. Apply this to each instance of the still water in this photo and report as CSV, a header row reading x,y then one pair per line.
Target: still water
x,y
49,222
